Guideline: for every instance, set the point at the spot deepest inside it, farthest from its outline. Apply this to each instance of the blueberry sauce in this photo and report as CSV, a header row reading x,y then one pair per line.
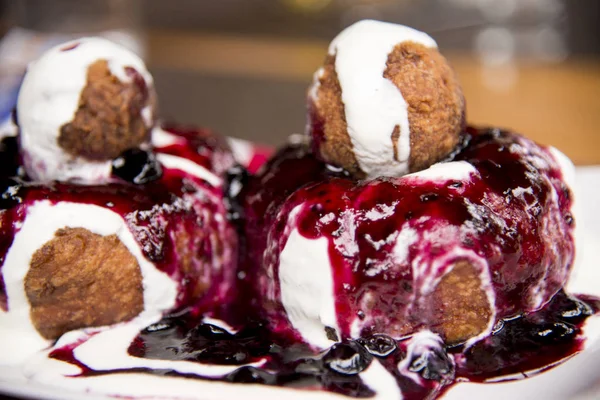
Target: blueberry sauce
x,y
137,166
10,189
502,216
163,211
236,179
530,342
513,348
379,345
261,346
201,146
183,338
259,157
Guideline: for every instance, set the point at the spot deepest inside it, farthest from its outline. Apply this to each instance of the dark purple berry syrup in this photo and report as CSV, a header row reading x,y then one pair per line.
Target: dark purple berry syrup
x,y
159,205
524,343
137,166
506,214
530,342
515,347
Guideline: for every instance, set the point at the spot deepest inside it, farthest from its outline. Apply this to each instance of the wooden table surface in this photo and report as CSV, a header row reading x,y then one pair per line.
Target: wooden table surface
x,y
556,103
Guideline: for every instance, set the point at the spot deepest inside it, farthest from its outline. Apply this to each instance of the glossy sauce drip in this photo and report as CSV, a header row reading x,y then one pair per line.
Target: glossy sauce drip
x,y
201,146
514,348
531,342
156,204
497,213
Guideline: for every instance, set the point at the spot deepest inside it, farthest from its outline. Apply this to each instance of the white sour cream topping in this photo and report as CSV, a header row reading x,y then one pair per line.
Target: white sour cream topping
x,y
106,349
163,138
242,150
306,283
446,171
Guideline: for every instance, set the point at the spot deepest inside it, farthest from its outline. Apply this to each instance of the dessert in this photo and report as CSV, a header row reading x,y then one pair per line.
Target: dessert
x,y
385,102
111,218
390,252
81,105
452,249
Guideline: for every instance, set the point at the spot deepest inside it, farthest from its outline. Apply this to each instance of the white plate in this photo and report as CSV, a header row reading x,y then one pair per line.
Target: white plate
x,y
577,378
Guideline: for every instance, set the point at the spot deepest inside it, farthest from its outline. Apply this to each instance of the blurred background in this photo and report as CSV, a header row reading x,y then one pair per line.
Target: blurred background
x,y
242,67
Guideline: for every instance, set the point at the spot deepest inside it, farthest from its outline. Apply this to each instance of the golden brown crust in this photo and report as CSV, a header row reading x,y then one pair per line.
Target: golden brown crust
x,y
81,279
457,310
460,308
401,327
436,109
335,146
108,120
435,101
395,138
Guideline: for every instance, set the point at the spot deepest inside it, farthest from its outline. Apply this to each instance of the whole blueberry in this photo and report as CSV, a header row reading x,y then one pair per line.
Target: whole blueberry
x,y
163,327
379,345
433,364
347,358
137,166
236,180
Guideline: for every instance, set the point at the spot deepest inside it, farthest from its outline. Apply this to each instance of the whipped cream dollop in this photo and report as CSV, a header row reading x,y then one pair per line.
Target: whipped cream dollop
x,y
50,97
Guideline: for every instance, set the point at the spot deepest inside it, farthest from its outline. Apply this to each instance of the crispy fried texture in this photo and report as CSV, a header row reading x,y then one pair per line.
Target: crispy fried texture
x,y
457,310
335,145
436,109
81,279
435,101
108,120
459,306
